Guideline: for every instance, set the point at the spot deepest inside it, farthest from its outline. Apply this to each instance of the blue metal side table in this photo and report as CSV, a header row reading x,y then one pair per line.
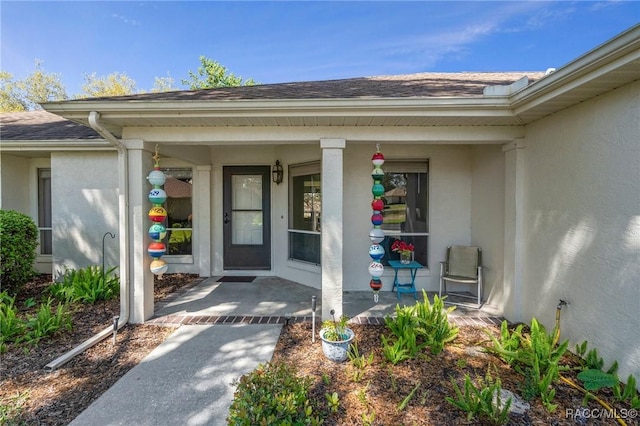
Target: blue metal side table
x,y
413,267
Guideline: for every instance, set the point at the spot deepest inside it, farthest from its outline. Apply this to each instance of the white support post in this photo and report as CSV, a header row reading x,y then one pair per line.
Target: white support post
x,y
202,219
514,230
332,226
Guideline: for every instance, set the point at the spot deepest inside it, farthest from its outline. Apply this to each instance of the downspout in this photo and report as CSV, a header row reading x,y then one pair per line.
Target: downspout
x,y
123,215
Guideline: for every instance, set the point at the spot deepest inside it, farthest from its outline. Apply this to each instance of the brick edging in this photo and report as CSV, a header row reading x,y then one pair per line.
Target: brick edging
x,y
177,320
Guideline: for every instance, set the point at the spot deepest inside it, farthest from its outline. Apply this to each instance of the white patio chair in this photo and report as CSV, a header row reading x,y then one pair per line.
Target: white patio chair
x,y
463,266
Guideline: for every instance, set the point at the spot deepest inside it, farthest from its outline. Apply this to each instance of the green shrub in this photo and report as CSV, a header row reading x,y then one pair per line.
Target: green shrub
x,y
536,356
86,285
482,401
19,237
272,394
47,322
11,327
417,327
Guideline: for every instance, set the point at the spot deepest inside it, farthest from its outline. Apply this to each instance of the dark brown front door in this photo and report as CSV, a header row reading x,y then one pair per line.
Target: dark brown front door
x,y
247,217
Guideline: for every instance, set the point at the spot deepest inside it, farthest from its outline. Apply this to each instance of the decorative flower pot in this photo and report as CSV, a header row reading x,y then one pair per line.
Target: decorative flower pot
x,y
337,351
405,258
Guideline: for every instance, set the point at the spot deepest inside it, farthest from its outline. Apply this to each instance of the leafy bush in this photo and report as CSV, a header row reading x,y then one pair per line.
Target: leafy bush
x,y
11,327
44,323
272,394
535,356
87,285
482,401
19,236
417,327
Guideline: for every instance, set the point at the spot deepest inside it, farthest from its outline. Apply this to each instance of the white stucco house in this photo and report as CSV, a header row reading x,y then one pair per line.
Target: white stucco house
x,y
539,169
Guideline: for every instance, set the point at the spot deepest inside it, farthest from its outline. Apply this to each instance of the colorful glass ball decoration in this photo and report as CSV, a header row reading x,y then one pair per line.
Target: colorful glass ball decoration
x,y
376,251
157,215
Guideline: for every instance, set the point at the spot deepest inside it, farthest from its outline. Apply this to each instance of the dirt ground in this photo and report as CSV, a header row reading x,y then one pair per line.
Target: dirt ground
x,y
410,393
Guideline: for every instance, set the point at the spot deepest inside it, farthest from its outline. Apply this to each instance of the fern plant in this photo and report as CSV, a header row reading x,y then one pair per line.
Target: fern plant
x,y
482,401
86,285
535,356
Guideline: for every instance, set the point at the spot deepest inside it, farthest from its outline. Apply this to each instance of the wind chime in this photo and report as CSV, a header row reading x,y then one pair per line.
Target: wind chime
x,y
376,235
157,215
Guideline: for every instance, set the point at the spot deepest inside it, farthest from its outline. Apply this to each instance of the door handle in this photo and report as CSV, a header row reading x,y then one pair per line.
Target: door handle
x,y
226,218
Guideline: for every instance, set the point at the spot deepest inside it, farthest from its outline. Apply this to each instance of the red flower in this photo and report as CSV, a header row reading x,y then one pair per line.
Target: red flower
x,y
400,246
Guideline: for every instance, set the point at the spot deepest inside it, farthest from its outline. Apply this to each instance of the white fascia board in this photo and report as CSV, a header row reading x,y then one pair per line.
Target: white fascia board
x,y
56,145
221,136
112,110
605,58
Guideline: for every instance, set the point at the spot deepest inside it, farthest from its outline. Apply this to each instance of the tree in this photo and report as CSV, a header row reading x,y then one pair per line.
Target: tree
x,y
211,74
29,93
115,84
10,99
163,84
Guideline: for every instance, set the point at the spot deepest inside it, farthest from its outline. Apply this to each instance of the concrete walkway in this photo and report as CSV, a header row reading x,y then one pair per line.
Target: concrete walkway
x,y
226,330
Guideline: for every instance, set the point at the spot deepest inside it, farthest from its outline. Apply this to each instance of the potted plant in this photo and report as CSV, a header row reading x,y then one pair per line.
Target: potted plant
x,y
404,249
336,338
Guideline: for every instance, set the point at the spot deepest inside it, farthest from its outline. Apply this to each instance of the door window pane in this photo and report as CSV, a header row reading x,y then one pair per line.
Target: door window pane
x,y
246,214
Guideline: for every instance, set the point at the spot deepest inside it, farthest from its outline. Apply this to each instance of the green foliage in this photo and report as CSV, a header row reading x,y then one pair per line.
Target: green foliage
x,y
335,330
114,84
482,401
417,327
358,361
395,352
86,285
19,236
28,94
273,394
406,400
11,327
368,418
593,379
47,322
333,401
536,357
211,74
11,407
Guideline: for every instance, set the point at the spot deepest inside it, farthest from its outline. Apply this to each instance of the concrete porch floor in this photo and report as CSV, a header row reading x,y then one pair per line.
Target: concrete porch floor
x,y
275,298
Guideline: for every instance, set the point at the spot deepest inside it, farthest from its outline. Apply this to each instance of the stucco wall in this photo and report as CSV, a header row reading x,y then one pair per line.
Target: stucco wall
x,y
487,218
14,183
84,208
582,203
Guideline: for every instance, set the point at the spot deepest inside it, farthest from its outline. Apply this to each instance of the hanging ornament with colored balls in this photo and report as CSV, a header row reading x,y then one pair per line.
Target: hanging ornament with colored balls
x,y
376,235
157,215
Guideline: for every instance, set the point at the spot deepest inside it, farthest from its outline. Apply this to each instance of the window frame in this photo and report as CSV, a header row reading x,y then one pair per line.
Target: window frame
x,y
181,258
296,171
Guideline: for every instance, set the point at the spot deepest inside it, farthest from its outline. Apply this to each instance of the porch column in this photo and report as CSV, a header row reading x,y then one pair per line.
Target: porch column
x,y
140,277
513,230
202,219
332,222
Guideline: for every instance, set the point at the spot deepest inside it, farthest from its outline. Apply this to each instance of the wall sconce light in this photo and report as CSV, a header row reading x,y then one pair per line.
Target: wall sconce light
x,y
277,172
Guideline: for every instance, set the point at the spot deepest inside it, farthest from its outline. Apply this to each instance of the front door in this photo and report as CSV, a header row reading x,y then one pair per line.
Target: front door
x,y
247,217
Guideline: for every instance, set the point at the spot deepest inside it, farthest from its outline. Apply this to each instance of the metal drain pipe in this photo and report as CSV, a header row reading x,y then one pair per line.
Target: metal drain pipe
x,y
123,219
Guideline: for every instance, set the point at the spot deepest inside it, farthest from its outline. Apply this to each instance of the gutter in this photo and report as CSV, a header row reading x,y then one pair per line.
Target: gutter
x,y
123,213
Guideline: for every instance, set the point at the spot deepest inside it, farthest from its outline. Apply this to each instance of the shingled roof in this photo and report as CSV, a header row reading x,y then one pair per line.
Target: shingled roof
x,y
41,125
432,85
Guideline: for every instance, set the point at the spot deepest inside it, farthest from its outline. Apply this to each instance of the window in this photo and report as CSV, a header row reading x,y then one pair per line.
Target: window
x,y
178,186
406,206
305,204
44,211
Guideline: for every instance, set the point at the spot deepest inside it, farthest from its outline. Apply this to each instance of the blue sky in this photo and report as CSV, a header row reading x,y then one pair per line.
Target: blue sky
x,y
300,41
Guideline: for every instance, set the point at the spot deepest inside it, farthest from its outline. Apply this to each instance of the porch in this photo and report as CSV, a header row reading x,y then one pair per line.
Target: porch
x,y
275,300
